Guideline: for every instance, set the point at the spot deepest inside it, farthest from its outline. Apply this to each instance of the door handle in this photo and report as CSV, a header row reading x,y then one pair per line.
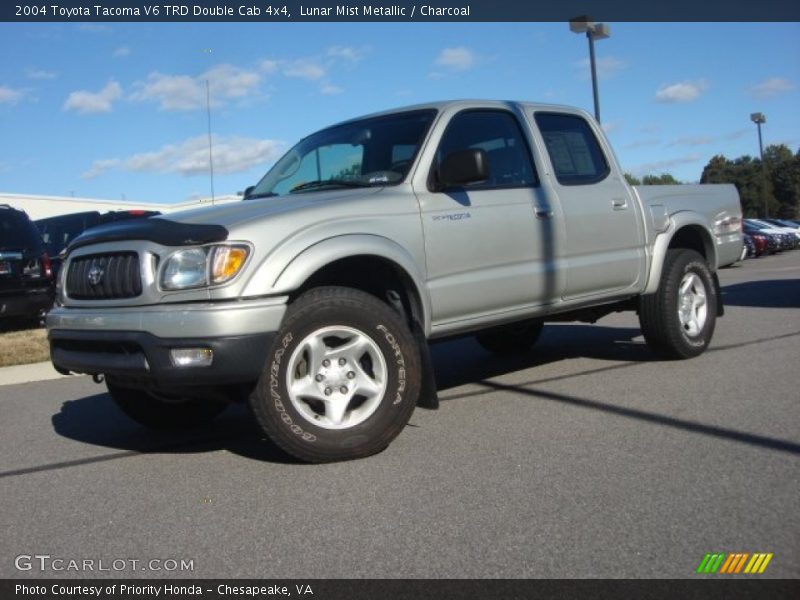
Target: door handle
x,y
543,214
619,204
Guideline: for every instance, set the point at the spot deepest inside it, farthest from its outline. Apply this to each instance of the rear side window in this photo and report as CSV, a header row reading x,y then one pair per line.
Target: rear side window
x,y
573,148
498,134
58,232
17,232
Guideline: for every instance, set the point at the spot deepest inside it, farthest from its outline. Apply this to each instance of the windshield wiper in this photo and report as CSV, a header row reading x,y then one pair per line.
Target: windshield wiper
x,y
326,182
261,195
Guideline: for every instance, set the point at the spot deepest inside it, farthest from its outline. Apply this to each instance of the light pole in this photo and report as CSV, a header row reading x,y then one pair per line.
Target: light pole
x,y
594,31
210,153
759,118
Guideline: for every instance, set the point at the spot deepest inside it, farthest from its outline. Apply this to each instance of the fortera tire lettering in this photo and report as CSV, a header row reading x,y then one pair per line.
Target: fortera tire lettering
x,y
401,363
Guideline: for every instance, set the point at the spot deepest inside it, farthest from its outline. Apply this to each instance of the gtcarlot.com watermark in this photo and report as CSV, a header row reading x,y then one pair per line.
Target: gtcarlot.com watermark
x,y
57,564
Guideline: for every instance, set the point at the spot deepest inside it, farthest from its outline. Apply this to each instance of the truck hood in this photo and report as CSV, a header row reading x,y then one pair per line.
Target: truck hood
x,y
211,223
232,213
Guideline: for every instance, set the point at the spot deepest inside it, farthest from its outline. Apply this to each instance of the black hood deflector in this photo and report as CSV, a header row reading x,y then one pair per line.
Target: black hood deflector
x,y
154,229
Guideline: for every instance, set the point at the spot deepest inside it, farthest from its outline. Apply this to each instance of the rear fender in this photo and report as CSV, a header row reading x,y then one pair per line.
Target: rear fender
x,y
678,222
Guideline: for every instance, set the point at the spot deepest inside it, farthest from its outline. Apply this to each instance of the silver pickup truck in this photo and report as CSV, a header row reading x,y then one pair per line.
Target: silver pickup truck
x,y
315,296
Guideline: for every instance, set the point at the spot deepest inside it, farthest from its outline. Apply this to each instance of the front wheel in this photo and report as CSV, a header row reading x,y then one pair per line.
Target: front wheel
x,y
678,320
341,379
164,414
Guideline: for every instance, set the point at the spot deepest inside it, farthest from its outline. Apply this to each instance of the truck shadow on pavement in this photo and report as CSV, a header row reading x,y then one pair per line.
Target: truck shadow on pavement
x,y
773,293
463,361
97,421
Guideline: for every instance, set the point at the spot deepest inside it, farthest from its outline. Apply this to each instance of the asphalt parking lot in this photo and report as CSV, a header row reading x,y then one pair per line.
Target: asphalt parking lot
x,y
587,458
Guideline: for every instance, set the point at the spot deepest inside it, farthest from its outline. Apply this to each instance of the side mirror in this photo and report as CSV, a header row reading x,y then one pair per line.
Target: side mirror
x,y
247,191
462,168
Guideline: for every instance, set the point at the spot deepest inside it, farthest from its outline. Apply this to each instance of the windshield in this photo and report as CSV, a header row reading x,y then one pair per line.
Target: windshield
x,y
364,153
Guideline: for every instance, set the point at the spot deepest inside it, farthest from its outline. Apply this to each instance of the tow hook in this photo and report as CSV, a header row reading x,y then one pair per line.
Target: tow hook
x,y
98,378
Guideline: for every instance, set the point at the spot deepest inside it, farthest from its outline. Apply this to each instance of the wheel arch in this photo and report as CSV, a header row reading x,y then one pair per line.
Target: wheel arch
x,y
687,230
370,263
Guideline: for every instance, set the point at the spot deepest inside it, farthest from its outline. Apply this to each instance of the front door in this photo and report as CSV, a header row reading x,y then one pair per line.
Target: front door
x,y
486,250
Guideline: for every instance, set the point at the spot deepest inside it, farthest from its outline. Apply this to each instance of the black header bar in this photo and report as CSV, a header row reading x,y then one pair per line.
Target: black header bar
x,y
397,589
283,11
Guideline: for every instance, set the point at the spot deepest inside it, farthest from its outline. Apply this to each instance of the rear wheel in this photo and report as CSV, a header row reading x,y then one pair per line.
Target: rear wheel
x,y
678,320
341,379
516,338
164,413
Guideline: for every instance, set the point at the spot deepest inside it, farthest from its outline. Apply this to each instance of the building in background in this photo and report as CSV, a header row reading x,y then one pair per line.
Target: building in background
x,y
41,207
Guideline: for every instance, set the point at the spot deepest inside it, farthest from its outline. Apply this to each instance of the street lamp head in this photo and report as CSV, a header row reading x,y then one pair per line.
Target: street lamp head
x,y
601,31
581,24
584,24
758,117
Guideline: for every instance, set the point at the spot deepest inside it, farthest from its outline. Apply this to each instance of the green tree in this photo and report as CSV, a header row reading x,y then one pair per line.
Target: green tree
x,y
774,183
783,170
632,180
663,179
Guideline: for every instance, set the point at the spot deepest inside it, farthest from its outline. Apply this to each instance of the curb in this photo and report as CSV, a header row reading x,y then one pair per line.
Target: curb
x,y
16,374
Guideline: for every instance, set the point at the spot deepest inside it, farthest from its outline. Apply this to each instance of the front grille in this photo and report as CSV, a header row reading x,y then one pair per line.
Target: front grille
x,y
104,277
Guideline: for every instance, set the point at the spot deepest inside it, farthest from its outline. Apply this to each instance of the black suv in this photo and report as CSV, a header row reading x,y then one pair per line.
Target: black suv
x,y
58,232
26,274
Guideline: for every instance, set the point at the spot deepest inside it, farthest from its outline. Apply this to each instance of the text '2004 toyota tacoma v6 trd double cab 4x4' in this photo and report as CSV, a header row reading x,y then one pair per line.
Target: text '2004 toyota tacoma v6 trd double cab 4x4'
x,y
314,297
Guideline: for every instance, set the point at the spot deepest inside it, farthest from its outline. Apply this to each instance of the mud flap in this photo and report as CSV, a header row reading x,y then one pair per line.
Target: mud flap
x,y
428,394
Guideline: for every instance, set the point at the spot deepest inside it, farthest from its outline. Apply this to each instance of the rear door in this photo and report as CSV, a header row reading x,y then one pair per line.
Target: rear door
x,y
604,245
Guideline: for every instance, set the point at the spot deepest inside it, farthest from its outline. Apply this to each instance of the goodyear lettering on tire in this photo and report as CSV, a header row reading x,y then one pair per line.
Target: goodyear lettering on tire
x,y
275,394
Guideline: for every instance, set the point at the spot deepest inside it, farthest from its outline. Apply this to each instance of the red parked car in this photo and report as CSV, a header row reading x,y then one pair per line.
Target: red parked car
x,y
760,243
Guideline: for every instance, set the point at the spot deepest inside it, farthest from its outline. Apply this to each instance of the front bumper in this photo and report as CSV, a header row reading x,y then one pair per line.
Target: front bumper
x,y
143,359
134,343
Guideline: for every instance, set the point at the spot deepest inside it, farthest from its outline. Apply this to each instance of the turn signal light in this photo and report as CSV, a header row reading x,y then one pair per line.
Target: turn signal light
x,y
228,261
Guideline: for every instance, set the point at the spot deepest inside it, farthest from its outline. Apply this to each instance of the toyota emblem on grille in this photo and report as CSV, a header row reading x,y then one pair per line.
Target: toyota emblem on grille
x,y
95,275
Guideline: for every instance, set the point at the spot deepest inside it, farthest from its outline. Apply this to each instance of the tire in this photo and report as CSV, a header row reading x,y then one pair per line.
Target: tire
x,y
518,338
154,413
678,320
341,379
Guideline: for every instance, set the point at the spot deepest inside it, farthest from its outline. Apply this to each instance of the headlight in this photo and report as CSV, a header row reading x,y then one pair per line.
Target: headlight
x,y
201,267
186,269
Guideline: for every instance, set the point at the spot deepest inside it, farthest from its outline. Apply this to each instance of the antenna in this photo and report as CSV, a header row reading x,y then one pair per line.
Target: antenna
x,y
210,154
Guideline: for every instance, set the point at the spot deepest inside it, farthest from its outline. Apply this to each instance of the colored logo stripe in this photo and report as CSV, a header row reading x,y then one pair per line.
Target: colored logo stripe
x,y
734,563
710,563
758,563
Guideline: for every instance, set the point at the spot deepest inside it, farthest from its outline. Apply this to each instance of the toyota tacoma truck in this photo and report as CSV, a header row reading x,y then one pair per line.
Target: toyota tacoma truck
x,y
315,297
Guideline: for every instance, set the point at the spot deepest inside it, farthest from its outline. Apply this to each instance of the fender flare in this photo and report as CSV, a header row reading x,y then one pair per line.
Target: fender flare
x,y
677,222
304,264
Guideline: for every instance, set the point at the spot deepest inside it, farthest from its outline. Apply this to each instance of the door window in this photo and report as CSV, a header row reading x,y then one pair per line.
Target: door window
x,y
498,134
573,148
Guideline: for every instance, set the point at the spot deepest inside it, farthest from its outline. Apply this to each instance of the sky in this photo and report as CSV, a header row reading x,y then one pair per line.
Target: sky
x,y
119,110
